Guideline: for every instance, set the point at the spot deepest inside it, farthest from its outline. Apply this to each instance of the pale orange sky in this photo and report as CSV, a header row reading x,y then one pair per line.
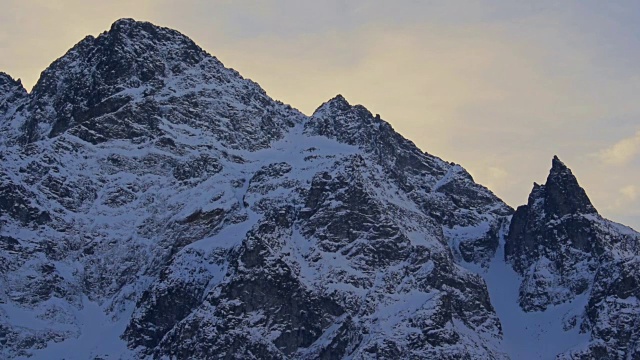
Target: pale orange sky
x,y
499,87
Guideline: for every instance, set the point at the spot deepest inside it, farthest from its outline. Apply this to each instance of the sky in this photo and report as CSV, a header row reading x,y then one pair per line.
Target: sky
x,y
496,86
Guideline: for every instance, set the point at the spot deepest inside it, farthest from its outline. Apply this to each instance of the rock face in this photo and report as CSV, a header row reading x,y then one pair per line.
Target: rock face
x,y
553,241
155,204
11,92
125,83
564,250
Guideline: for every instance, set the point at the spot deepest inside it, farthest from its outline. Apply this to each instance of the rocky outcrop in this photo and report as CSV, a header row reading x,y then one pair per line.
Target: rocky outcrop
x,y
446,192
138,82
155,204
552,241
564,249
11,93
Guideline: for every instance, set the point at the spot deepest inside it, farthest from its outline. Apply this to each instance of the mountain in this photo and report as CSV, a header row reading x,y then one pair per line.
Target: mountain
x,y
156,204
566,252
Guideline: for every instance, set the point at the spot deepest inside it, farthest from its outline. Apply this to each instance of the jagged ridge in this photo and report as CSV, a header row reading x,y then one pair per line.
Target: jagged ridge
x,y
565,251
150,189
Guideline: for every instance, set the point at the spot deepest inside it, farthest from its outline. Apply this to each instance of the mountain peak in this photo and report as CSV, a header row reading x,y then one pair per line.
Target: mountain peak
x,y
563,194
9,84
557,166
145,31
337,103
126,82
6,79
338,99
11,90
131,49
550,218
131,55
126,23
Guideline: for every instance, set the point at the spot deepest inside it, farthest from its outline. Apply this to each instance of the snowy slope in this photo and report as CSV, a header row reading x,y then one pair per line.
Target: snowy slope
x,y
155,204
532,335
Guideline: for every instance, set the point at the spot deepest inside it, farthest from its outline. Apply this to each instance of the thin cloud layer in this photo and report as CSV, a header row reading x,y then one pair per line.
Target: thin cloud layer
x,y
622,152
631,192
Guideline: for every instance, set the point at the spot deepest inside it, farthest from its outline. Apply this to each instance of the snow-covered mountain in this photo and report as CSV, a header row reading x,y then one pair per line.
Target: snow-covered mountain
x,y
155,204
566,252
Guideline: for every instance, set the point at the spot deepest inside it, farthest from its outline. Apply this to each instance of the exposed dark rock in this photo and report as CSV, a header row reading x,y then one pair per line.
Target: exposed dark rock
x,y
553,241
563,249
147,187
15,202
12,93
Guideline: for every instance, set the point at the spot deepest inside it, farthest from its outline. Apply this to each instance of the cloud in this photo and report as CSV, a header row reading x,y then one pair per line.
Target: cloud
x,y
494,177
622,152
631,192
624,202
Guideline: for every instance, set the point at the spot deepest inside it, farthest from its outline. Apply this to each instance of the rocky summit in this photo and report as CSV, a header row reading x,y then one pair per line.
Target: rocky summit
x,y
155,204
